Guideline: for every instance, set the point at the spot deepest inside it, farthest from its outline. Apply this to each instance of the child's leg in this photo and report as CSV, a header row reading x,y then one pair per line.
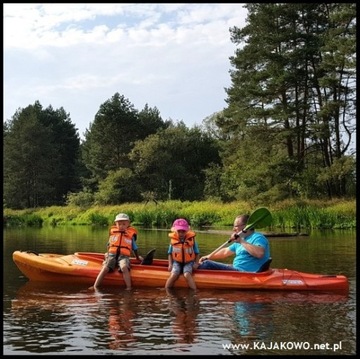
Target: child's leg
x,y
175,272
108,264
100,277
125,269
171,280
188,267
190,280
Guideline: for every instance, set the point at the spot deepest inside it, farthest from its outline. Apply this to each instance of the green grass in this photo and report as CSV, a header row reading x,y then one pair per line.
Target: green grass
x,y
335,214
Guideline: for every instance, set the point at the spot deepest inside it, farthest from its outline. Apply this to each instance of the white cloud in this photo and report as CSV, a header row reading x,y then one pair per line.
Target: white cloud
x,y
173,56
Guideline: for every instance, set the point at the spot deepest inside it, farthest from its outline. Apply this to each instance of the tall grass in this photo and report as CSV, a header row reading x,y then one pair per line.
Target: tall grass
x,y
298,215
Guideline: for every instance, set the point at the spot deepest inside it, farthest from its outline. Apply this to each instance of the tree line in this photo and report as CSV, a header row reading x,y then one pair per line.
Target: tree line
x,y
285,133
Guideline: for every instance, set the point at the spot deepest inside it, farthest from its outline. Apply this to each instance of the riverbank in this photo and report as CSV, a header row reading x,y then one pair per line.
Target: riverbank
x,y
287,216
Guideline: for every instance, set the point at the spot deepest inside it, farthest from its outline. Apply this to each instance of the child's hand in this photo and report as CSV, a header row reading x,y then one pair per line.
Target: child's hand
x,y
170,267
140,258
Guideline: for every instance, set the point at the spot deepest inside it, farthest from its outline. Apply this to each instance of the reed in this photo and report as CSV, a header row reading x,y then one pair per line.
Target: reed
x,y
299,215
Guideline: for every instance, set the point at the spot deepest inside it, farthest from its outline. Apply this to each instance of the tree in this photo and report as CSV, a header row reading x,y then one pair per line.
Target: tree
x,y
118,187
293,84
151,121
171,163
112,135
41,152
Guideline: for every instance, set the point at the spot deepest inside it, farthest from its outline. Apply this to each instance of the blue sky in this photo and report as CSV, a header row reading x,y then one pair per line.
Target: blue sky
x,y
77,56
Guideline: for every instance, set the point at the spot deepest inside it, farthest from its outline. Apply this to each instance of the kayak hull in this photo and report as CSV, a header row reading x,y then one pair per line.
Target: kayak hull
x,y
83,268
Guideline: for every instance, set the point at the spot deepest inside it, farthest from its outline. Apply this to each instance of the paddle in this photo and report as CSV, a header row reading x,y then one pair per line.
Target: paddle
x,y
260,218
148,259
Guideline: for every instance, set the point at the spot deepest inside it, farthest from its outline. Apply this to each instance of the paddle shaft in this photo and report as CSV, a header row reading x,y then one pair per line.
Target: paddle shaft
x,y
224,244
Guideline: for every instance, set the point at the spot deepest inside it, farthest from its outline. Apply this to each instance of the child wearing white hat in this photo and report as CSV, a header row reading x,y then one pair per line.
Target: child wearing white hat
x,y
122,241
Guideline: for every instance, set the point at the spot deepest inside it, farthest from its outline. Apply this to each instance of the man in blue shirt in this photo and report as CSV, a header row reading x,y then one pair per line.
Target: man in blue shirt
x,y
251,250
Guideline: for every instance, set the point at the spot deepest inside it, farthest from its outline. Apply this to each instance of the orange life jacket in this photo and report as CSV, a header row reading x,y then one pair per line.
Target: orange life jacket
x,y
183,252
121,242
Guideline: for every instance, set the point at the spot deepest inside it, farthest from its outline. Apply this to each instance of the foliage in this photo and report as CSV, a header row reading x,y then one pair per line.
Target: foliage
x,y
119,186
25,220
41,151
292,97
97,219
171,163
83,199
112,135
299,215
286,133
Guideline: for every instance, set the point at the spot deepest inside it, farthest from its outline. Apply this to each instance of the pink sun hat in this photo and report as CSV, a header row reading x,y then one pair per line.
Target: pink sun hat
x,y
180,225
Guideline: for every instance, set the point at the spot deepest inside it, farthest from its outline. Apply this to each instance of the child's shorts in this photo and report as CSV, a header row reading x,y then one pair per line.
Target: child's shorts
x,y
179,268
111,262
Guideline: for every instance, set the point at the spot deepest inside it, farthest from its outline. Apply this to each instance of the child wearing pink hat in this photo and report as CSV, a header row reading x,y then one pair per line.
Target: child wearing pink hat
x,y
183,253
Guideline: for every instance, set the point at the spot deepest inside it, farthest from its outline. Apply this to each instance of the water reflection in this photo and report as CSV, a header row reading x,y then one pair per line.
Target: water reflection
x,y
42,318
263,318
58,318
111,319
69,320
183,309
120,322
253,319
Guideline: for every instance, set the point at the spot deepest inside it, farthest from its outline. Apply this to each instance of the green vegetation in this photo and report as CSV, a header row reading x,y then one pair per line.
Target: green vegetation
x,y
286,214
287,133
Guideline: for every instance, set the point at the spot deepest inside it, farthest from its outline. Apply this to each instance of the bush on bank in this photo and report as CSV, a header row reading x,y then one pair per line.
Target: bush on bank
x,y
335,214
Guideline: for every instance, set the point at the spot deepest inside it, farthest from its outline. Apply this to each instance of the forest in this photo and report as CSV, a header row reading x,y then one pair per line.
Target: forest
x,y
285,133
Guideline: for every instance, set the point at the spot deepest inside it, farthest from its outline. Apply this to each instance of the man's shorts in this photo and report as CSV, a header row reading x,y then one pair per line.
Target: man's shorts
x,y
111,263
179,268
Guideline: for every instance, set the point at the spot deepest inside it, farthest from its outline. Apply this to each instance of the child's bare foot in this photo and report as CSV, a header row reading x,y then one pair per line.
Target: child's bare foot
x,y
128,288
93,288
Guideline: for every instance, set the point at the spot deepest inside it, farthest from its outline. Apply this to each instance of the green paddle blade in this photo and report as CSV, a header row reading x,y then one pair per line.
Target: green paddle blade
x,y
260,218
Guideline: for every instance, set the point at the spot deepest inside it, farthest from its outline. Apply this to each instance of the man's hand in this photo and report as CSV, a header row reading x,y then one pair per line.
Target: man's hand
x,y
234,238
238,237
203,259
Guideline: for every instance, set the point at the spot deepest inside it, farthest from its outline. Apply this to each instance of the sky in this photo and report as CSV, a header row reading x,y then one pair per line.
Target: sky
x,y
174,57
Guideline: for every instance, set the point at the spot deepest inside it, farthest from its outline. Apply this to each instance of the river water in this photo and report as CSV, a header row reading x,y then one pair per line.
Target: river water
x,y
54,319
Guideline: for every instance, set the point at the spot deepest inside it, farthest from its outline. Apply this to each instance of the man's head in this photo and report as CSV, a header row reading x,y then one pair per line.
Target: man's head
x,y
240,222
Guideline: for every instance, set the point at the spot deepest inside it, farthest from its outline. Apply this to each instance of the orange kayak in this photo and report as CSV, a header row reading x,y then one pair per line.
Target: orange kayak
x,y
83,268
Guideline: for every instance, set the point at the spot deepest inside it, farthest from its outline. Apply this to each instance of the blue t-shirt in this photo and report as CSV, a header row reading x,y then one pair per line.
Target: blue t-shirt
x,y
243,260
134,246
